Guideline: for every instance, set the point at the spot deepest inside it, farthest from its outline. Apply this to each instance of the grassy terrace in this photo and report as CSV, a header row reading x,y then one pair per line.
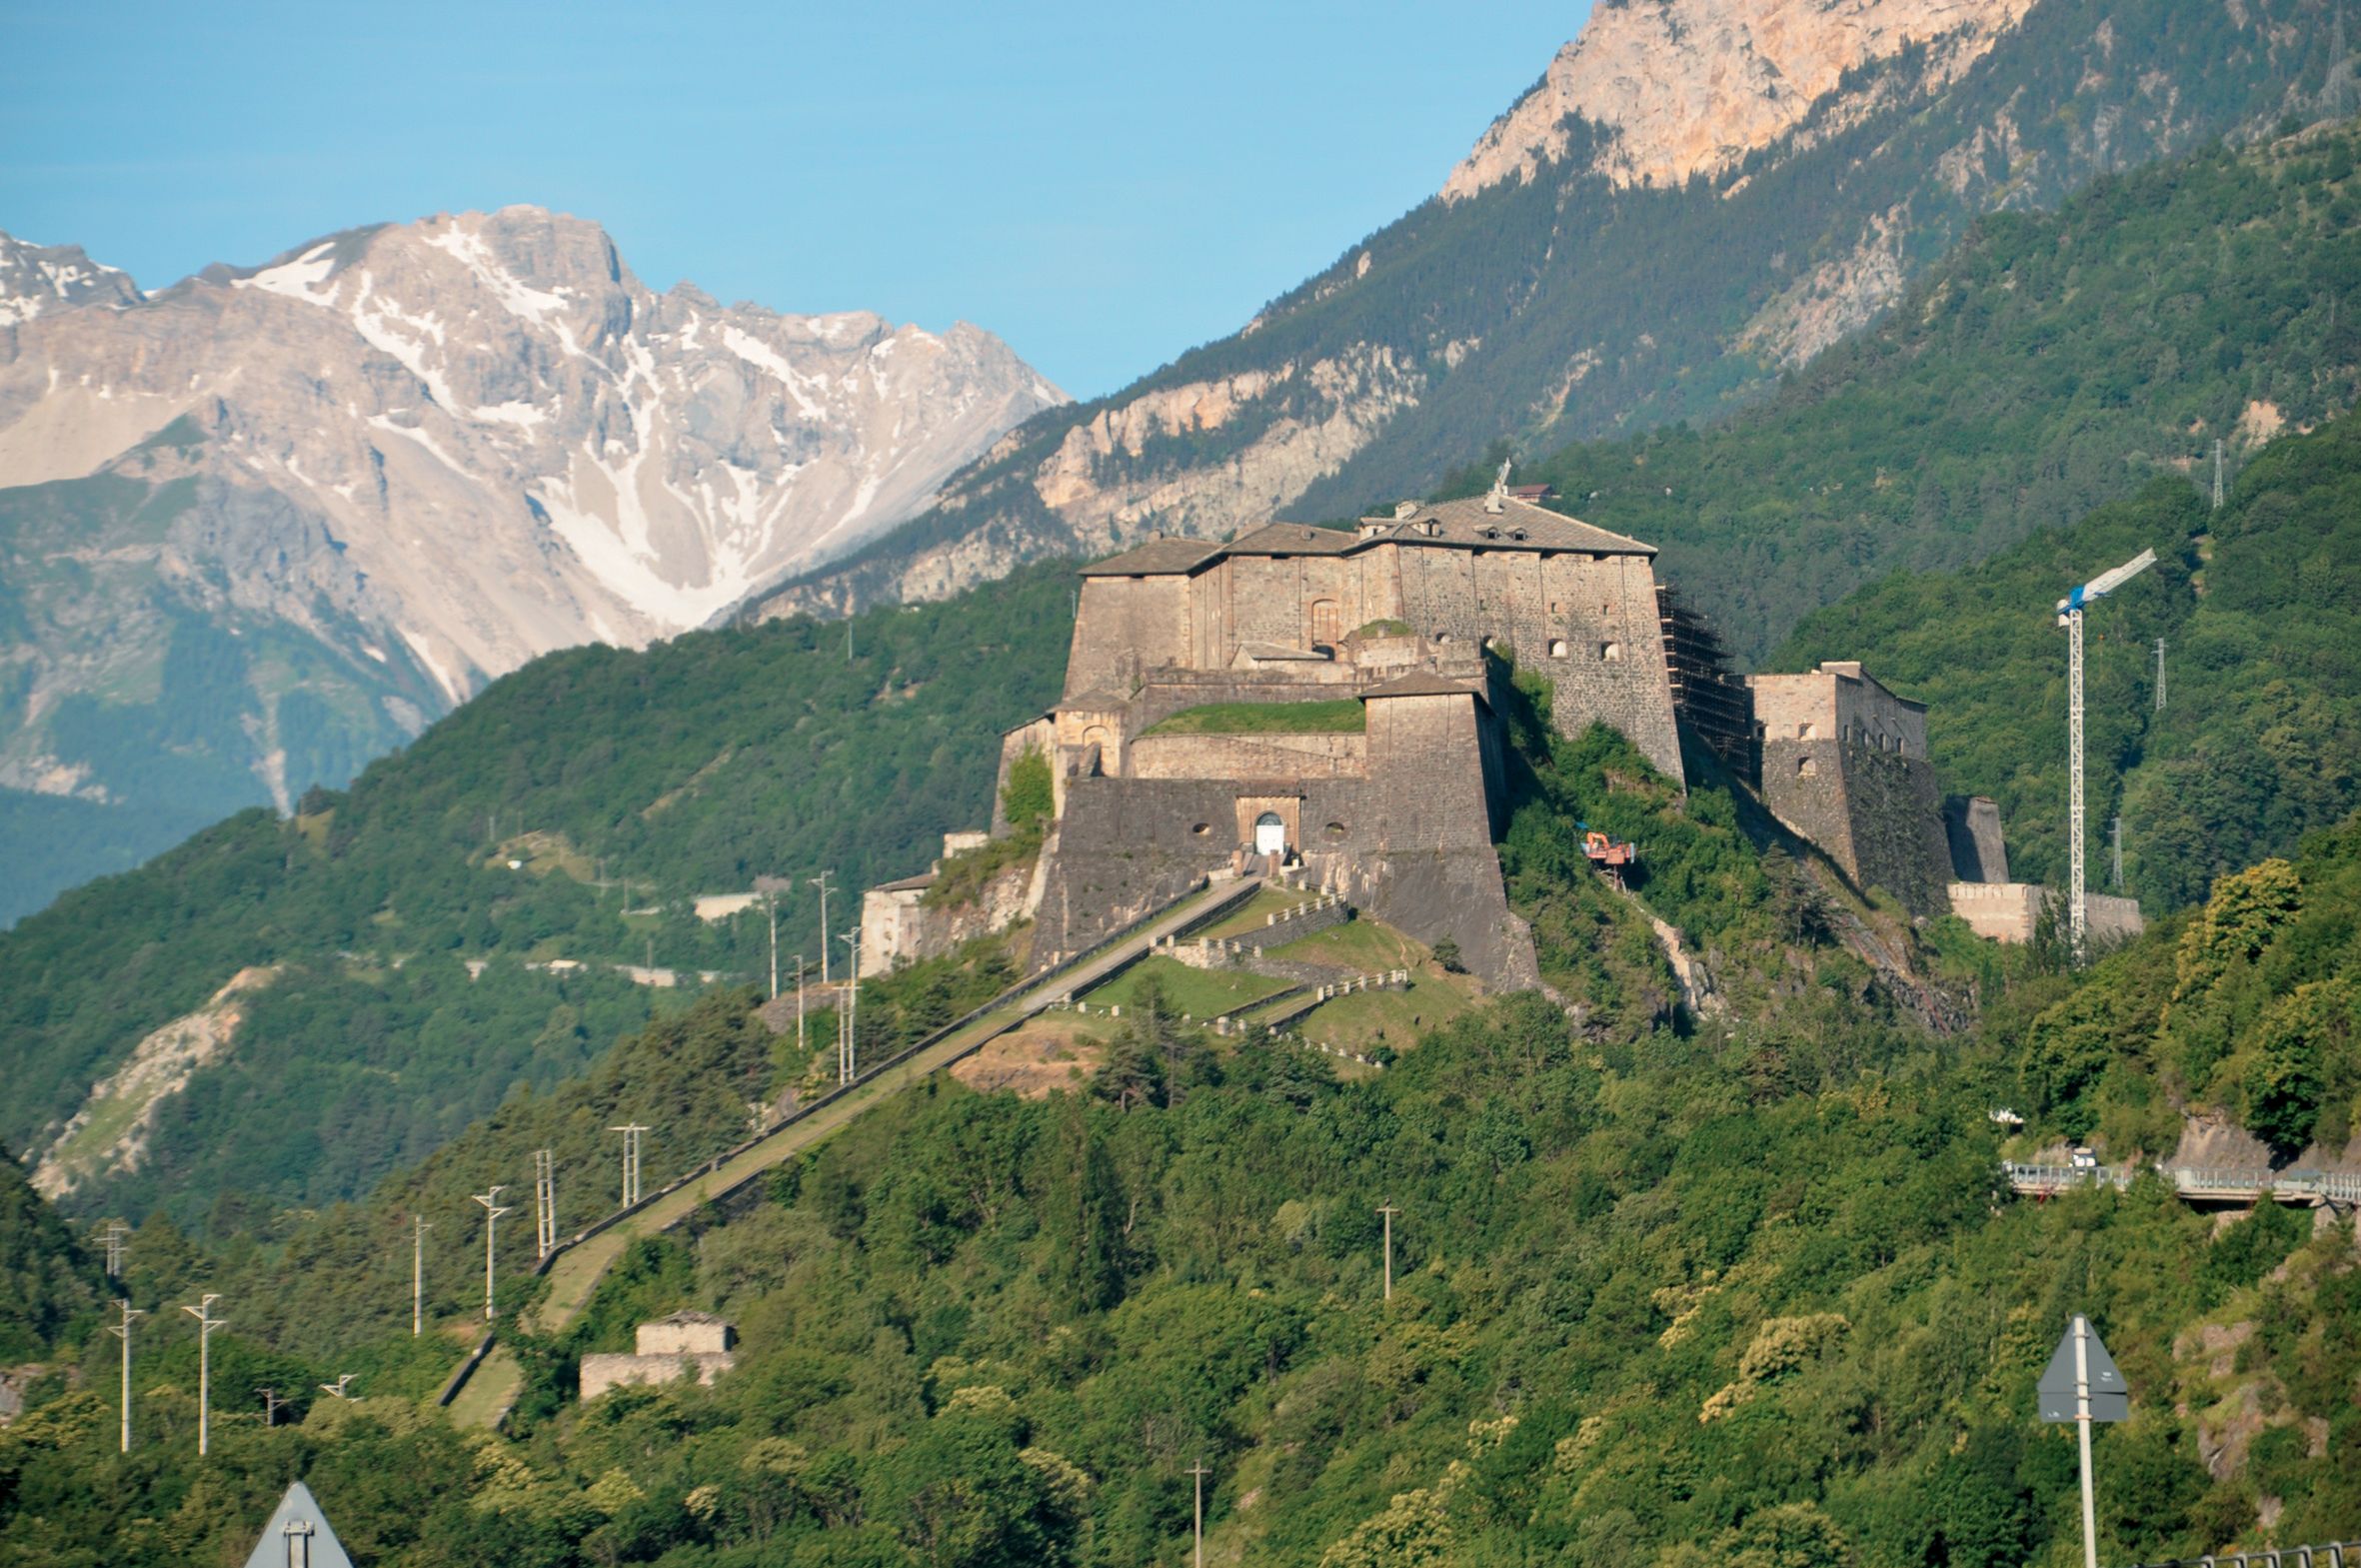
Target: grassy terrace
x,y
1343,717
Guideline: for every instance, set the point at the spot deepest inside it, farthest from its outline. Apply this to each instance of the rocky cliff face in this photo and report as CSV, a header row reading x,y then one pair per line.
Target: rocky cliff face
x,y
400,461
1699,196
1693,86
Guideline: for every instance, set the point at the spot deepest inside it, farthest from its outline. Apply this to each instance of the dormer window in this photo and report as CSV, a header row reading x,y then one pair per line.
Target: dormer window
x,y
1517,533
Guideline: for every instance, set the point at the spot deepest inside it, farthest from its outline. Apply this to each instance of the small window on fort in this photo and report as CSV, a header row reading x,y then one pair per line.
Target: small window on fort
x,y
1334,830
1202,828
1613,653
1442,636
1808,731
1807,766
1557,648
1901,747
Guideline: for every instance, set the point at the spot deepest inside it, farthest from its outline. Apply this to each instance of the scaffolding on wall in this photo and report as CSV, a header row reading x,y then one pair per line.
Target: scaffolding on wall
x,y
1715,705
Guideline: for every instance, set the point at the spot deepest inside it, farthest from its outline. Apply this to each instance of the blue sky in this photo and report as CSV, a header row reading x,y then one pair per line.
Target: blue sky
x,y
1103,185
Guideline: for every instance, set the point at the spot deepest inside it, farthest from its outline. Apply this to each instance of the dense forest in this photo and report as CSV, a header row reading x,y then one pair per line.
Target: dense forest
x,y
571,812
1663,1285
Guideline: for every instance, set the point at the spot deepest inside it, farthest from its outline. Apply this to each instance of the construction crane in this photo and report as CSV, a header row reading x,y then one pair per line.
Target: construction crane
x,y
2070,617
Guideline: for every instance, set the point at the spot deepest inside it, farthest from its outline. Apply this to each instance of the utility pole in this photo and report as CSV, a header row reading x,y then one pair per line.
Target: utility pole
x,y
631,1161
2217,472
771,907
2118,837
2160,674
821,883
545,1203
270,1405
1389,1211
1201,1472
799,1001
205,1324
491,1213
336,1390
848,1059
417,1230
122,1332
2070,610
118,1239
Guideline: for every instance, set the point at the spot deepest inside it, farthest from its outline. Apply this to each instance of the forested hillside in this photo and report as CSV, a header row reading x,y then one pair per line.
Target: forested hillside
x,y
2052,364
1745,1290
530,825
2260,606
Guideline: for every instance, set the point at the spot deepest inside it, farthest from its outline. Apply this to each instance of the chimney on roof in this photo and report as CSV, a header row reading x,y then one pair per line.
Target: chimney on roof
x,y
1498,500
1405,510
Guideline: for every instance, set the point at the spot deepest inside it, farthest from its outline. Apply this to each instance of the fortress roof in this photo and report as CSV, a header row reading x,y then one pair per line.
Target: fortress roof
x,y
1157,557
1519,524
1294,539
1420,682
1443,525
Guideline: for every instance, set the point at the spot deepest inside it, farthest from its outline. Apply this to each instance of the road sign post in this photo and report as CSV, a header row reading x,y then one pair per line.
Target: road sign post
x,y
2082,1385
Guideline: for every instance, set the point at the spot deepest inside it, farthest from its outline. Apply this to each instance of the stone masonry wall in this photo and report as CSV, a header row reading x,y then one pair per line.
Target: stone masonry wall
x,y
1896,817
1411,842
1876,814
1126,626
1803,785
1588,624
1339,755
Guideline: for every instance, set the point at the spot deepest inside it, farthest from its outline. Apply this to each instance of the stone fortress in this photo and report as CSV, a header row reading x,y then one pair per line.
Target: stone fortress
x,y
1394,798
1379,773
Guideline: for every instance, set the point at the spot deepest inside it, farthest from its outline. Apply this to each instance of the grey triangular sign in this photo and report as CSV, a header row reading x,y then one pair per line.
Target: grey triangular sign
x,y
2110,1395
298,1536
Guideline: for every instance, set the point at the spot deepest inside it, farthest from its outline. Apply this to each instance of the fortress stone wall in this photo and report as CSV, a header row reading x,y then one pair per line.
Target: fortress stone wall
x,y
1398,815
1844,764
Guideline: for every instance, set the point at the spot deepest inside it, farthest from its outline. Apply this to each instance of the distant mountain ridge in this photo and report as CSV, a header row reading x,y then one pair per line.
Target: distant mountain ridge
x,y
266,523
1595,298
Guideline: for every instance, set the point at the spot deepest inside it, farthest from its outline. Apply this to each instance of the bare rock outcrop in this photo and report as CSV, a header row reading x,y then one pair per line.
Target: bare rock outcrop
x,y
1691,86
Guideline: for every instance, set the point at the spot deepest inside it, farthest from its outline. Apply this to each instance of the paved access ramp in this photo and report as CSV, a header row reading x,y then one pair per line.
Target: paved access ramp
x,y
485,1387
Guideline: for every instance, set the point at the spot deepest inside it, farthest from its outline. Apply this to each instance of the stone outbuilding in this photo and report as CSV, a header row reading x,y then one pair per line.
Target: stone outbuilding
x,y
686,1344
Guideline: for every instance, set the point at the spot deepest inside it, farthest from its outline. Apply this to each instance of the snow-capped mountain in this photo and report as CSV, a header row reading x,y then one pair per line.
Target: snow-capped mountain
x,y
410,458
